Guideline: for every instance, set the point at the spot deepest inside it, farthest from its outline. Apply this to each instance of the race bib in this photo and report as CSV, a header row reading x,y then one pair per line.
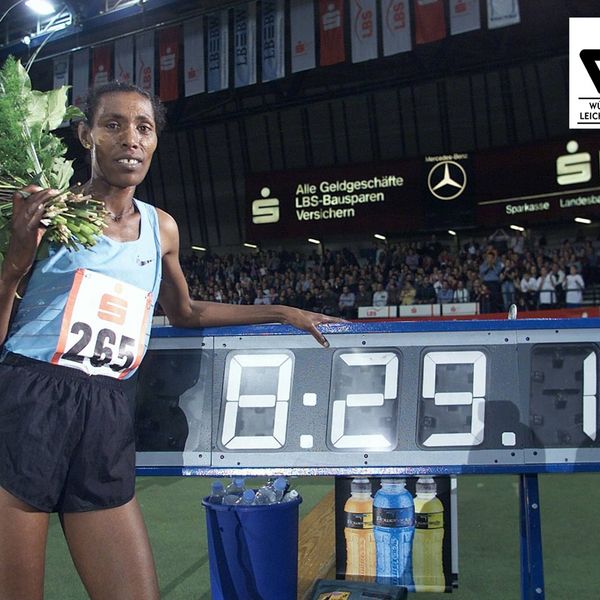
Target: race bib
x,y
104,326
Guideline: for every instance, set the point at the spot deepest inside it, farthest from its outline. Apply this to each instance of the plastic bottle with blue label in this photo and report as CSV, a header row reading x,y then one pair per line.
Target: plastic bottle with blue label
x,y
394,530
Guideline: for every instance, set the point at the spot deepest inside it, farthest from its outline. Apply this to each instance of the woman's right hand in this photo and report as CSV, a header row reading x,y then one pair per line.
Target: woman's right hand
x,y
29,206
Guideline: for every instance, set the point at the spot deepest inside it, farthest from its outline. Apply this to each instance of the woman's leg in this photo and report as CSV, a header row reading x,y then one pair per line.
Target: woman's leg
x,y
23,535
111,552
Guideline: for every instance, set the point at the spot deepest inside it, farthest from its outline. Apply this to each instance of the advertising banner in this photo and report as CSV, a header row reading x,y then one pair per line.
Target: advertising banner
x,y
244,44
331,29
81,74
352,199
363,30
124,59
395,26
430,21
193,56
502,13
218,49
60,69
397,531
553,181
272,40
168,40
101,64
144,60
302,34
464,16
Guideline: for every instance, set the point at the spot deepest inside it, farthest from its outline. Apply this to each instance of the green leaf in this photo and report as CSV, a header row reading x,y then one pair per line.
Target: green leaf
x,y
73,112
23,76
38,110
63,171
57,101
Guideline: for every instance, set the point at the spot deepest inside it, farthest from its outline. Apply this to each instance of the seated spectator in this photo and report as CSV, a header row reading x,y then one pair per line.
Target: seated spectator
x,y
347,303
328,300
574,287
380,296
407,293
363,297
261,298
445,293
461,293
425,292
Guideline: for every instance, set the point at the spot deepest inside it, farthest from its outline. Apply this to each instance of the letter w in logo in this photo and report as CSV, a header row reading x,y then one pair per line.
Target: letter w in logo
x,y
589,59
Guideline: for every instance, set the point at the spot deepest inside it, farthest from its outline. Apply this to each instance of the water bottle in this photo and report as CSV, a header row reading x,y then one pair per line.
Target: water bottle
x,y
428,568
265,495
247,498
291,495
234,491
394,529
280,485
217,493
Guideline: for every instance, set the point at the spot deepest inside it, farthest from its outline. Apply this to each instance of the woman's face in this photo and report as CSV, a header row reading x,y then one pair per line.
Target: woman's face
x,y
122,138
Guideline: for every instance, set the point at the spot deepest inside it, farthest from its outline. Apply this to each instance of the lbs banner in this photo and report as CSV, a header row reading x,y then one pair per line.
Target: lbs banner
x,y
397,532
553,181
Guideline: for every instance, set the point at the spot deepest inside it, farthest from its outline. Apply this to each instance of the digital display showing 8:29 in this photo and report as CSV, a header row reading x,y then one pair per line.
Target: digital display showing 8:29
x,y
387,395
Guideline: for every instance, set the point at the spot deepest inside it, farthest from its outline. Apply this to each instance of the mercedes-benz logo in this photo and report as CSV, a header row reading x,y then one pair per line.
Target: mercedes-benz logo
x,y
447,180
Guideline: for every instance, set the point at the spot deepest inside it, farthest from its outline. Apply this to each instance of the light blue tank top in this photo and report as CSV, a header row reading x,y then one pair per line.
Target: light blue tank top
x,y
71,306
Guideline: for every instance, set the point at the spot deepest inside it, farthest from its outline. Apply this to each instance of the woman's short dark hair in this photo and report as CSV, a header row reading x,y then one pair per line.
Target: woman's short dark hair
x,y
95,94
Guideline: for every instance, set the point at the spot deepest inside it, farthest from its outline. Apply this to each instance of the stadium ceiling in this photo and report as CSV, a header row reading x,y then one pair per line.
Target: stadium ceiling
x,y
543,33
80,22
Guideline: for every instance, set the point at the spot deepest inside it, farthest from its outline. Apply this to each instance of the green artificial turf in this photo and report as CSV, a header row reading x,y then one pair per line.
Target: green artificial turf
x,y
488,537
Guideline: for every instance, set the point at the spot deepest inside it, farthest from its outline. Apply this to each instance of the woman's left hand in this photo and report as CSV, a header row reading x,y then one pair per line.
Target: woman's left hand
x,y
308,321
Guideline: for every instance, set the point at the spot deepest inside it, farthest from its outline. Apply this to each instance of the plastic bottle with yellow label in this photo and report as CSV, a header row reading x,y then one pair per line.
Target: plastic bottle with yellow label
x,y
358,531
428,568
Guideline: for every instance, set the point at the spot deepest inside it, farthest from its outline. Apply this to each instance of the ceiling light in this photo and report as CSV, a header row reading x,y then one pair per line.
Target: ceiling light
x,y
313,241
451,232
583,220
379,236
199,248
248,245
517,228
41,7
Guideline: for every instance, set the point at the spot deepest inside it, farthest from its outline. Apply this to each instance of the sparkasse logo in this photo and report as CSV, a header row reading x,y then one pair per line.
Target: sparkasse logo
x,y
265,209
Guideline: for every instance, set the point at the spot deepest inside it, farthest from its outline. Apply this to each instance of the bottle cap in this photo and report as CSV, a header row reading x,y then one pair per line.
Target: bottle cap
x,y
217,485
360,485
280,483
248,495
426,485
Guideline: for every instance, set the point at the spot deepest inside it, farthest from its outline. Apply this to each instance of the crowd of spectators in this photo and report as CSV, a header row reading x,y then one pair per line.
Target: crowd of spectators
x,y
495,272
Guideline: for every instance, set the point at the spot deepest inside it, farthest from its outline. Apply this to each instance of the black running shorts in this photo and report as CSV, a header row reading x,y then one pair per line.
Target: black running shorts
x,y
66,438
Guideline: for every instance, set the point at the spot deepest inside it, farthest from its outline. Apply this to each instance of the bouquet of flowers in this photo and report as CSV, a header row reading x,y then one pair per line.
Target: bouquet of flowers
x,y
31,154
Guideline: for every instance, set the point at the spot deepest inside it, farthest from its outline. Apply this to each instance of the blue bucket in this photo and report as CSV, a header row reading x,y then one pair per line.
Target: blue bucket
x,y
253,550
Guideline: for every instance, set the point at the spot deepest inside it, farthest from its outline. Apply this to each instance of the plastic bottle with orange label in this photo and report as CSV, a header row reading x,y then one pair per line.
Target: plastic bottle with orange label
x,y
358,531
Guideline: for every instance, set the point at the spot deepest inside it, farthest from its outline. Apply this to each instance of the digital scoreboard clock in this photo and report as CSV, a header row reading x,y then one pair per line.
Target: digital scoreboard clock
x,y
445,397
